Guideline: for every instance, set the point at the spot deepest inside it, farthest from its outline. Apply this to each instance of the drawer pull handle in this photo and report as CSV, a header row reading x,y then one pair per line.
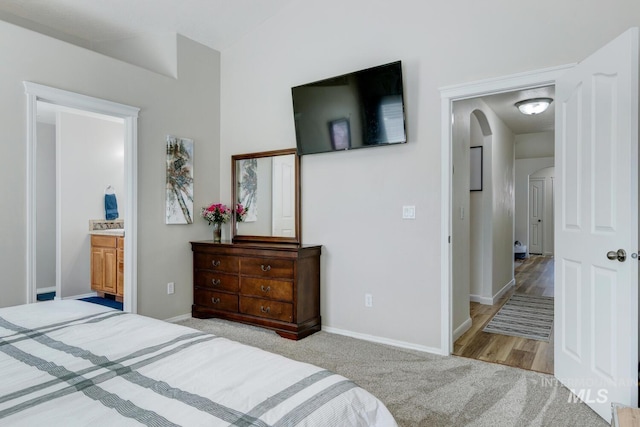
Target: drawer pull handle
x,y
265,310
215,263
215,300
267,289
215,282
267,268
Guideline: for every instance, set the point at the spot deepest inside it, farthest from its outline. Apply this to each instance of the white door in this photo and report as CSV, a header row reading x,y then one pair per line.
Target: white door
x,y
596,305
536,214
284,196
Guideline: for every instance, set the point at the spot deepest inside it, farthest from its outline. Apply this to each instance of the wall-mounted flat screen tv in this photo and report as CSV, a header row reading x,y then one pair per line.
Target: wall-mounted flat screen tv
x,y
355,110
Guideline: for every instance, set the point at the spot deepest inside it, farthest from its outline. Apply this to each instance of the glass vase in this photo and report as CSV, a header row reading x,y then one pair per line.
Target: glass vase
x,y
217,232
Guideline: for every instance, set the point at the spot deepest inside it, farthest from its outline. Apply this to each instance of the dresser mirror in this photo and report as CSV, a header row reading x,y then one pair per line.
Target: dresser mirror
x,y
267,185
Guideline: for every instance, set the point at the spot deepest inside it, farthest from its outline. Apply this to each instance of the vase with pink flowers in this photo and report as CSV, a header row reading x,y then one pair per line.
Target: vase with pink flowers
x,y
216,214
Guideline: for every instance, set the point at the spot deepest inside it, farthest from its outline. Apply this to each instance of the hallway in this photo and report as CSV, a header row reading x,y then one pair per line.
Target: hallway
x,y
534,276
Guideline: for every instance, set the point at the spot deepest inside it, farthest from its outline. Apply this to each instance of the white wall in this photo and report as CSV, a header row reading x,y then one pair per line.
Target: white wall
x,y
351,201
91,158
535,145
503,206
46,201
187,106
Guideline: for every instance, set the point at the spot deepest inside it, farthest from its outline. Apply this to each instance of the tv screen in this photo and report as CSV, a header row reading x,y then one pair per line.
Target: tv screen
x,y
355,110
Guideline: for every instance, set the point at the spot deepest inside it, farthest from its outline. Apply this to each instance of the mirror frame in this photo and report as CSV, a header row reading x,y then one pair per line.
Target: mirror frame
x,y
266,239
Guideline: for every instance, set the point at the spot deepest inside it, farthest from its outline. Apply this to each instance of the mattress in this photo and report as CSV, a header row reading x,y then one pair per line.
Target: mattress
x,y
74,363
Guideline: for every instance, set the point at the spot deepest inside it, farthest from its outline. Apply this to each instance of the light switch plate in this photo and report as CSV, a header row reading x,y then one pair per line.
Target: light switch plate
x,y
408,212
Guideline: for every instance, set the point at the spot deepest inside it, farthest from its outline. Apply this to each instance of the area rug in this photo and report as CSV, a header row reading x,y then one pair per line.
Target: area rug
x,y
525,316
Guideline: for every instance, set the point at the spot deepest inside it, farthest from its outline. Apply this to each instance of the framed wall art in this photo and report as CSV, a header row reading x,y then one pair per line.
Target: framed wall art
x,y
179,181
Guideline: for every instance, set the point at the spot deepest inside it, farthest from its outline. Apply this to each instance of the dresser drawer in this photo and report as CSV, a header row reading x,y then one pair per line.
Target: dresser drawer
x,y
207,261
267,288
215,280
266,308
267,267
217,300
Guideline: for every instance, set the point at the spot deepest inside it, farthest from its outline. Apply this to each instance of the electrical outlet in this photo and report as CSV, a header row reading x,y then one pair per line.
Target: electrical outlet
x,y
368,300
170,288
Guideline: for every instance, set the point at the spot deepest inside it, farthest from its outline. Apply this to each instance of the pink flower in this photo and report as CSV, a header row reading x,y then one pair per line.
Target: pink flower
x,y
216,213
241,212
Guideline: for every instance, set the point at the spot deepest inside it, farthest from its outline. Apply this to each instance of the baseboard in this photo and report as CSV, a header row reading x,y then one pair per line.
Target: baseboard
x,y
365,337
45,290
382,340
492,300
504,290
89,295
480,299
460,330
180,318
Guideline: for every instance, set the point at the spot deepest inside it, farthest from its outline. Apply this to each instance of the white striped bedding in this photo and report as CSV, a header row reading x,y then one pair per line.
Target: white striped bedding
x,y
74,363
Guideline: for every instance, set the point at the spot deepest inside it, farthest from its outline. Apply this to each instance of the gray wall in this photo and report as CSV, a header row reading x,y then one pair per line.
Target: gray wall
x,y
187,106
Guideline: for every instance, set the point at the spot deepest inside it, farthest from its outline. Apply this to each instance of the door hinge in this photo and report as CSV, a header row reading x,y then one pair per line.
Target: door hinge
x,y
449,239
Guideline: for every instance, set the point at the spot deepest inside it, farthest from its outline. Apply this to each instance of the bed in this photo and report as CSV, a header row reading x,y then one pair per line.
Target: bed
x,y
76,363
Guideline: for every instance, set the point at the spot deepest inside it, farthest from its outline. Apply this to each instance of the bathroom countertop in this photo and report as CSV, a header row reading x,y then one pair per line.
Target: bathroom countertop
x,y
102,227
112,232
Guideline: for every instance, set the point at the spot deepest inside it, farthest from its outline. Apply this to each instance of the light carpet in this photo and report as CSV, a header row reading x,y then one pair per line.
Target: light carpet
x,y
526,316
422,389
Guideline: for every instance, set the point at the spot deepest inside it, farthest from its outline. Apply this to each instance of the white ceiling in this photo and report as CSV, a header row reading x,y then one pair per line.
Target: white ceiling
x,y
214,23
504,106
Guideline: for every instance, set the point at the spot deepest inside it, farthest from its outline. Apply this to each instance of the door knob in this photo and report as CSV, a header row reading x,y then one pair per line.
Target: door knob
x,y
620,255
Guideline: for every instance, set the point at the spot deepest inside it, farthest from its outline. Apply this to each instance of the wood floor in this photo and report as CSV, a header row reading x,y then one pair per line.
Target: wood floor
x,y
535,277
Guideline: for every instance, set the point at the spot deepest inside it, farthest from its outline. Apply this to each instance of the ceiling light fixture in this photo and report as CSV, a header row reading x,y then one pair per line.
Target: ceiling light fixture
x,y
534,106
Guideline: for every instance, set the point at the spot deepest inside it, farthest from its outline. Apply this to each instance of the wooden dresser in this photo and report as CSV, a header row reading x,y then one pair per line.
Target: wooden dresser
x,y
276,286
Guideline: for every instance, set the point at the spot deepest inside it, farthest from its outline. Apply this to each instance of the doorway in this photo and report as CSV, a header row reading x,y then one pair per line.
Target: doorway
x,y
518,82
79,154
128,116
510,208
